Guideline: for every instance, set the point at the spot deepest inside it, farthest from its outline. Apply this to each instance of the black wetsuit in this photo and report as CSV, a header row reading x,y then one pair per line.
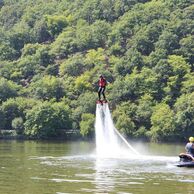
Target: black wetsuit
x,y
101,90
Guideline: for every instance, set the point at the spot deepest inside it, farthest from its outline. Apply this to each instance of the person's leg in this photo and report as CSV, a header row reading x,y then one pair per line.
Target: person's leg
x,y
99,93
103,90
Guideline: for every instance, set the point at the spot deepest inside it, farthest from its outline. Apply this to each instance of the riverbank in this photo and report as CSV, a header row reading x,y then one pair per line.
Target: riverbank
x,y
65,135
70,135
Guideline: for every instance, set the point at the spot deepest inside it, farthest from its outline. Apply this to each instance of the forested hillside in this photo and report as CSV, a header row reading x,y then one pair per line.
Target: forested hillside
x,y
53,51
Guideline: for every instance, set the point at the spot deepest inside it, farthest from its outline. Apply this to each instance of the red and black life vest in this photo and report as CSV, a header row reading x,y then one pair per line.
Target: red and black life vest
x,y
102,82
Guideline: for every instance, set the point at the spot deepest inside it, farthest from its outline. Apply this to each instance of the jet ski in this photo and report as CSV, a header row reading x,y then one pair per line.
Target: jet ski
x,y
186,160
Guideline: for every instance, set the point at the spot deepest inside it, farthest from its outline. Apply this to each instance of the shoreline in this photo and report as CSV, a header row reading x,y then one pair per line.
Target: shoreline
x,y
72,135
12,135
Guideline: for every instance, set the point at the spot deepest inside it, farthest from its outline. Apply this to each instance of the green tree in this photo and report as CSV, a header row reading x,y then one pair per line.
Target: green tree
x,y
56,23
8,89
144,111
94,57
167,41
184,115
73,66
11,111
137,84
83,82
179,69
65,44
125,125
41,31
179,65
47,120
30,49
85,104
87,125
124,116
48,87
188,83
163,123
187,48
7,51
15,108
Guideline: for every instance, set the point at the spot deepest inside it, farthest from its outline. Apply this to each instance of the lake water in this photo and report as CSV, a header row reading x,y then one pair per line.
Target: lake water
x,y
32,167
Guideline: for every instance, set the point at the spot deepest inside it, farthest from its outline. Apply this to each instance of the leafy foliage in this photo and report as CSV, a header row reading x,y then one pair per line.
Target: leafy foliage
x,y
51,56
47,88
163,123
87,124
8,89
46,120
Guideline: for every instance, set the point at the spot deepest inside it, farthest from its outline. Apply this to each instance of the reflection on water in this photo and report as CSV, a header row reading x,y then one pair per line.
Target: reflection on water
x,y
104,174
61,168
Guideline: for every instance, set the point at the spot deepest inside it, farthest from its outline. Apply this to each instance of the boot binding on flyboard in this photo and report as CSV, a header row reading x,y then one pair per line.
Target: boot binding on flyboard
x,y
101,102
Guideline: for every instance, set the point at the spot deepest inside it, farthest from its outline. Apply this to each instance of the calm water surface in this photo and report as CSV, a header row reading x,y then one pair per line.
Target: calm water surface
x,y
28,167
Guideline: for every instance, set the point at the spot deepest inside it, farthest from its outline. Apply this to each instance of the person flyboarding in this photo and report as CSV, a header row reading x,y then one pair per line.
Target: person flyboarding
x,y
102,87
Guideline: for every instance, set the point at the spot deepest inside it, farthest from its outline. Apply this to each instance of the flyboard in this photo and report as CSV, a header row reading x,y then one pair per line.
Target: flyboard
x,y
101,102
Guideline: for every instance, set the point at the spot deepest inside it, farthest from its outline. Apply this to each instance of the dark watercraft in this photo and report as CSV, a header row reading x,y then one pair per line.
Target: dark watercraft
x,y
186,160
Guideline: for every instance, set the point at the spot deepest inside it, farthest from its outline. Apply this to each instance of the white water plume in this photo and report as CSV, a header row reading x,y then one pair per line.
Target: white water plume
x,y
109,142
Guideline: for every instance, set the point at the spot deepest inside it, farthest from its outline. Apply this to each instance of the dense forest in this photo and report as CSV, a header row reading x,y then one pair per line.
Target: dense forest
x,y
53,51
